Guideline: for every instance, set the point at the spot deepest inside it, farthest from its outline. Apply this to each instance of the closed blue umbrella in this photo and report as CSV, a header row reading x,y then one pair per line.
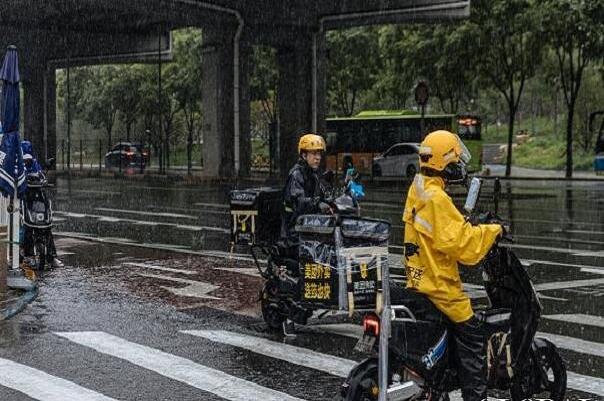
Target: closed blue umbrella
x,y
12,172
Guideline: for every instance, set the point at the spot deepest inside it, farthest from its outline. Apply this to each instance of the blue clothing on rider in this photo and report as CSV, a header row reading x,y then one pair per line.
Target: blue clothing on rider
x,y
32,166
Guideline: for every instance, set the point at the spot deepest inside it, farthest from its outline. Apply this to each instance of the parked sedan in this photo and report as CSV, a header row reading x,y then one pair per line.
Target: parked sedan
x,y
127,155
401,159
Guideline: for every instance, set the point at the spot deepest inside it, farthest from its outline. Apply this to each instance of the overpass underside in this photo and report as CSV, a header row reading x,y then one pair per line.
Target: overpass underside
x,y
58,33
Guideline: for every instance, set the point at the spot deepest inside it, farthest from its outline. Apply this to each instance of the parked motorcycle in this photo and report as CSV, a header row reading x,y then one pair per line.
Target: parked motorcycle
x,y
36,215
411,345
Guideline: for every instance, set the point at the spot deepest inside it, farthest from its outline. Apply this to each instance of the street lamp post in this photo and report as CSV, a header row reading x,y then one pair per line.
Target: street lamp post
x,y
422,94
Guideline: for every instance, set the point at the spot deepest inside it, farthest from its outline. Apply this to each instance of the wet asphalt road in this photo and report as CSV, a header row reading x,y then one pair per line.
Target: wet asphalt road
x,y
110,324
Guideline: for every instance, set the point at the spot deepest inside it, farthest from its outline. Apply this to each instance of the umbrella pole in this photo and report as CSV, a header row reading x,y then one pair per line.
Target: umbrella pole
x,y
15,237
10,230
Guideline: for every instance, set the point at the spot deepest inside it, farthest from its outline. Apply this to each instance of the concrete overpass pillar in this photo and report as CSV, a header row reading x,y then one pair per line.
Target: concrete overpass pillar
x,y
39,111
218,99
300,74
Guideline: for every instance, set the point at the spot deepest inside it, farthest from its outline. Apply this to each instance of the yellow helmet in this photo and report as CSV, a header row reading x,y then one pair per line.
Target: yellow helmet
x,y
309,142
441,148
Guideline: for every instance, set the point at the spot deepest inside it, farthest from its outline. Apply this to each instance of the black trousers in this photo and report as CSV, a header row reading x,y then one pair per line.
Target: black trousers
x,y
471,358
469,345
28,243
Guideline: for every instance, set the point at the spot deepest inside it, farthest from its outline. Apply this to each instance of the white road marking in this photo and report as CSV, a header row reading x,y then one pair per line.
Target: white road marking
x,y
163,247
560,285
155,267
575,252
112,219
592,270
574,344
109,219
196,289
589,384
297,355
144,213
248,271
551,263
216,205
569,240
42,386
575,381
177,368
588,320
560,230
590,253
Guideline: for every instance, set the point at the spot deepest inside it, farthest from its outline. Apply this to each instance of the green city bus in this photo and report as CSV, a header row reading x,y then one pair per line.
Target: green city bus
x,y
362,137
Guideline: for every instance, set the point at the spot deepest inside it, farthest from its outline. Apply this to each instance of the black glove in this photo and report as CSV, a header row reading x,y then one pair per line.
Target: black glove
x,y
492,218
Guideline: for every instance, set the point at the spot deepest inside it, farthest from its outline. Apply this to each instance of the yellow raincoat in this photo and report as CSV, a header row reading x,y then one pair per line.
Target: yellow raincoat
x,y
437,238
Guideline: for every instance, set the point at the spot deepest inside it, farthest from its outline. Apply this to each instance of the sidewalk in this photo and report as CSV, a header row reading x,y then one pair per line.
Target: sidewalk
x,y
498,170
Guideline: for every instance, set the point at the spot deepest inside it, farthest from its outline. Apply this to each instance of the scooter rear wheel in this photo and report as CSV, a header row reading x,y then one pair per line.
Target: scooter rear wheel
x,y
364,388
272,315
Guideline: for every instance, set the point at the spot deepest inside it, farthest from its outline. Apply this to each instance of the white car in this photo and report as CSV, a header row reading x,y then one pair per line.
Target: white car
x,y
402,159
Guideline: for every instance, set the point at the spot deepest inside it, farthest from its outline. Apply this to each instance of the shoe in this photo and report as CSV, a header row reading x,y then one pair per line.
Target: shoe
x,y
57,263
289,330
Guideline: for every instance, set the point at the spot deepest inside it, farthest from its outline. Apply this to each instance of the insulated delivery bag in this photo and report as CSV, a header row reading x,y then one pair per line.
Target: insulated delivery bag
x,y
341,261
255,215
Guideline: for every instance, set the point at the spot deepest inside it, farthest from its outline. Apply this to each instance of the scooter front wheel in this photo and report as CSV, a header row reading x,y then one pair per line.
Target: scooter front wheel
x,y
547,374
40,255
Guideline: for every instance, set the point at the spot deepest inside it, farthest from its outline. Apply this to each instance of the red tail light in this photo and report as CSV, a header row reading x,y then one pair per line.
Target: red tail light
x,y
129,154
371,323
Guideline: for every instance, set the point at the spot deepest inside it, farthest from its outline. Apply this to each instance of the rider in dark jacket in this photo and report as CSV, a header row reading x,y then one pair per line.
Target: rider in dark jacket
x,y
303,192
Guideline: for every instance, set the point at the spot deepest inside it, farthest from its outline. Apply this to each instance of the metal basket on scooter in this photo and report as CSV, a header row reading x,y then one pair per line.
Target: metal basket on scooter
x,y
341,261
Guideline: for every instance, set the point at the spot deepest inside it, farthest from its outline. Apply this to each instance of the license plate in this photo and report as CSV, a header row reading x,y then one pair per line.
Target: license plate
x,y
365,343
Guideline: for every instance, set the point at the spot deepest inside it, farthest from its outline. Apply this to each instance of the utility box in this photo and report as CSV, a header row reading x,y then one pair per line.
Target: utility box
x,y
341,261
255,215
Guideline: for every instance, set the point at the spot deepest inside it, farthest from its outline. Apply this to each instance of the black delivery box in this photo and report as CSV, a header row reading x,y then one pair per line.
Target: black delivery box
x,y
341,261
255,215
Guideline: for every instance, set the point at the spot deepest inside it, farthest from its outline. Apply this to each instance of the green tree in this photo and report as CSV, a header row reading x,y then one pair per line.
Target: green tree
x,y
508,49
101,99
574,30
127,89
353,61
185,82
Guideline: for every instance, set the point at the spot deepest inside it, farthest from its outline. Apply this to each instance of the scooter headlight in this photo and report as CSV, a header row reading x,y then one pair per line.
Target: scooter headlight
x,y
40,217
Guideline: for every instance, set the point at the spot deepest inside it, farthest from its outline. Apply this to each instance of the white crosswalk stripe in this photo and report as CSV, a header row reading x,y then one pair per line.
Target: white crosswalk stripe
x,y
588,320
300,356
42,386
177,368
574,380
574,344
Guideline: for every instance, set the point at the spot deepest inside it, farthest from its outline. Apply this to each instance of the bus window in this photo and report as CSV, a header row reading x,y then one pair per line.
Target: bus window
x,y
390,135
347,134
330,139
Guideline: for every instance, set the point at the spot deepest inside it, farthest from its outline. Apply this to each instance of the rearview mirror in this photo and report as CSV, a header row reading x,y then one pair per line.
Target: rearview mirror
x,y
50,163
473,195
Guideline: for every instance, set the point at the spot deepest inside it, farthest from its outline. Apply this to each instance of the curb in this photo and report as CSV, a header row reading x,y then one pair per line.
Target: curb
x,y
20,304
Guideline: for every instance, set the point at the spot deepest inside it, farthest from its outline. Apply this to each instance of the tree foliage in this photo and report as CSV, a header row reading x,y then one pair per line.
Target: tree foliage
x,y
575,32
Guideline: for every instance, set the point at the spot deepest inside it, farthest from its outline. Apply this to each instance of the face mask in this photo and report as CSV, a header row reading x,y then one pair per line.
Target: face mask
x,y
455,173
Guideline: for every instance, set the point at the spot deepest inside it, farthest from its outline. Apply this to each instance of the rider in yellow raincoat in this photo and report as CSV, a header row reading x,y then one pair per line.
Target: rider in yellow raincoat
x,y
437,238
